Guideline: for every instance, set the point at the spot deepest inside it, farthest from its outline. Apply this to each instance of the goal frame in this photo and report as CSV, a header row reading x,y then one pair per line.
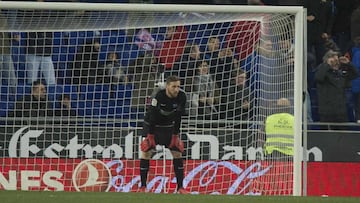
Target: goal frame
x,y
298,12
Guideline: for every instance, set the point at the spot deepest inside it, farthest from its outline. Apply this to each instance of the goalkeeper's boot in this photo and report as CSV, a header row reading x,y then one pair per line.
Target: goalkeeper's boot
x,y
142,190
182,191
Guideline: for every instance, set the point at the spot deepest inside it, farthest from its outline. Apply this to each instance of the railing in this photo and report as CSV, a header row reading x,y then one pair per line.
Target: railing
x,y
350,127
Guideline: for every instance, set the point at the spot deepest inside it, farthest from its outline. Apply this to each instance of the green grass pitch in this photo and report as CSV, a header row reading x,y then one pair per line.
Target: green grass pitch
x,y
92,197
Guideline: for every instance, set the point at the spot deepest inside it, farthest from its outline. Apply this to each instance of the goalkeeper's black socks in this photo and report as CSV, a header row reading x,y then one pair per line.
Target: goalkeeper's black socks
x,y
144,169
179,171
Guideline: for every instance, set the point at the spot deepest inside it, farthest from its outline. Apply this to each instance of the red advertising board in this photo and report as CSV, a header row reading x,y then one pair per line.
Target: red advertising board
x,y
333,178
206,177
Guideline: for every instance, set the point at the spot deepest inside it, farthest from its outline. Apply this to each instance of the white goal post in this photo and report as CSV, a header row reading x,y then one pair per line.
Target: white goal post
x,y
144,26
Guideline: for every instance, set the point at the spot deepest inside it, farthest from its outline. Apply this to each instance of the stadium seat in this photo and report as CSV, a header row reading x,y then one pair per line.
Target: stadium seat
x,y
3,110
71,57
57,34
92,112
102,95
71,90
54,91
137,113
105,33
73,41
350,105
314,104
86,91
123,102
89,34
56,50
6,94
104,40
22,90
123,91
92,108
92,104
102,92
121,39
57,41
94,92
80,107
113,40
122,112
5,107
107,112
72,49
63,57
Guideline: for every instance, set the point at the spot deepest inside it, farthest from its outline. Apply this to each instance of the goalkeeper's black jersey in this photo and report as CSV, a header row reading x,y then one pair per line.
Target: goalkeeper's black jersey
x,y
165,111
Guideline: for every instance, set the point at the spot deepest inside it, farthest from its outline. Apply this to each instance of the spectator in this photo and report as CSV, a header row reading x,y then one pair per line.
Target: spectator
x,y
203,92
355,54
114,70
354,25
225,65
65,108
39,51
341,28
319,25
221,61
86,66
35,104
326,18
332,78
7,71
186,66
235,101
212,49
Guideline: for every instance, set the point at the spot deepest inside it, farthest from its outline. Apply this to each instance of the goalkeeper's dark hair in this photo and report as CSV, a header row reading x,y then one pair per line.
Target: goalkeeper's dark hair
x,y
172,78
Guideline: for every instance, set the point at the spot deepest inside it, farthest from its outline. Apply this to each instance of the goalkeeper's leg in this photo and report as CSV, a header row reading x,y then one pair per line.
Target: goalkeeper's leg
x,y
179,171
147,147
144,168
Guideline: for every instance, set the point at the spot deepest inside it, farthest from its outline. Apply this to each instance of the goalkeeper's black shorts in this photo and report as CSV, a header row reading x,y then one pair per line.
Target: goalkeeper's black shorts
x,y
163,135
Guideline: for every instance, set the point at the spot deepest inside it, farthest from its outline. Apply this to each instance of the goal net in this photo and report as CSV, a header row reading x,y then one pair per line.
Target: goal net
x,y
84,75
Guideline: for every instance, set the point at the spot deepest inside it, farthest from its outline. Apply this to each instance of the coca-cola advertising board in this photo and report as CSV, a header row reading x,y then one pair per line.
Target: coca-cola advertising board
x,y
204,177
220,177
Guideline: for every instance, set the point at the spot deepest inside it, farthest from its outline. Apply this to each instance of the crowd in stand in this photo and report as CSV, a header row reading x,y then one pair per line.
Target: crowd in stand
x,y
215,75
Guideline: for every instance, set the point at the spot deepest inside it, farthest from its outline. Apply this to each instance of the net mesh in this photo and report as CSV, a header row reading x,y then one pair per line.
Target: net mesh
x,y
100,70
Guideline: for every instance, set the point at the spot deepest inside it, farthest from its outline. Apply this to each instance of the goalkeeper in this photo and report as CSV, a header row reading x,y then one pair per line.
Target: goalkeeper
x,y
162,126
